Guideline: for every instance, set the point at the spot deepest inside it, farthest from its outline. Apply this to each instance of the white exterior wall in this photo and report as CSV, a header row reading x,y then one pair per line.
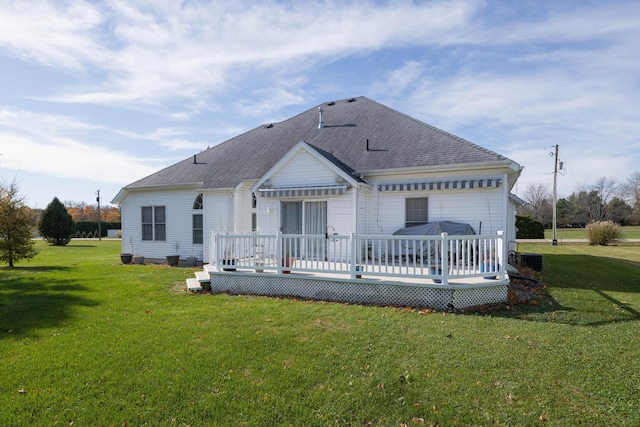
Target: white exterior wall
x,y
218,215
179,224
338,213
242,208
483,208
303,170
362,226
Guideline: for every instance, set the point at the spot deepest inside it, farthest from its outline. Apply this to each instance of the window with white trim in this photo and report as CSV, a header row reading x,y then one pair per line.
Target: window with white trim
x,y
154,226
198,230
197,223
416,211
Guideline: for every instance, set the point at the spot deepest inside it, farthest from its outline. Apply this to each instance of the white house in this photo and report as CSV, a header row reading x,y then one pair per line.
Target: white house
x,y
347,166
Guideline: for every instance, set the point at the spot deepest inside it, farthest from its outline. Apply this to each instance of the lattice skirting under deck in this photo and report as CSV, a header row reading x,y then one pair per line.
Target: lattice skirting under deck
x,y
361,291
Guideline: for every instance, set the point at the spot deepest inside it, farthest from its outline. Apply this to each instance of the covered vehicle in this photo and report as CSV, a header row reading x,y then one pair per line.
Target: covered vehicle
x,y
420,249
437,228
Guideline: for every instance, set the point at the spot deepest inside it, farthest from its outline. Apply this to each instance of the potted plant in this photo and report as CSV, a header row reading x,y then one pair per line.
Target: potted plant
x,y
173,260
286,260
489,264
138,259
126,257
359,270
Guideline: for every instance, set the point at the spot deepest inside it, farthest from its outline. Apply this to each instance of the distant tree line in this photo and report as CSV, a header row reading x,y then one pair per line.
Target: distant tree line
x,y
81,211
605,200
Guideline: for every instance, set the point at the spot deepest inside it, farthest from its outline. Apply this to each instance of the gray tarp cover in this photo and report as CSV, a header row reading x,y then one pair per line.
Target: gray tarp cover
x,y
402,248
436,228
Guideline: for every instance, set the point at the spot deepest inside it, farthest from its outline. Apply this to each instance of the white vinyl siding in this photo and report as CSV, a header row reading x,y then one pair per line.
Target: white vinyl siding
x,y
482,208
303,170
178,227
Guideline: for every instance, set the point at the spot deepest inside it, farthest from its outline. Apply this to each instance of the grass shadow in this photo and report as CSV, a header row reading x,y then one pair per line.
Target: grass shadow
x,y
30,302
585,290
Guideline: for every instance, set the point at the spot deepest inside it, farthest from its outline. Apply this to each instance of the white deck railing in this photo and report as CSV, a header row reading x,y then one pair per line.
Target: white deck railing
x,y
369,255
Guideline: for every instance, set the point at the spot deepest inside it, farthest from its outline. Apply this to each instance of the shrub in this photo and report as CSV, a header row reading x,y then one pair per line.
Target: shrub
x,y
602,232
56,226
529,228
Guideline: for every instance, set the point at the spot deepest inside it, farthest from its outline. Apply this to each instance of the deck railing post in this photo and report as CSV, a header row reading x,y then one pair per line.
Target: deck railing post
x,y
218,244
445,258
352,256
501,249
279,253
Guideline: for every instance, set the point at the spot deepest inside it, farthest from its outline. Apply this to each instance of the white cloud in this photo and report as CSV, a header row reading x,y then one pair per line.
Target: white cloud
x,y
168,49
51,145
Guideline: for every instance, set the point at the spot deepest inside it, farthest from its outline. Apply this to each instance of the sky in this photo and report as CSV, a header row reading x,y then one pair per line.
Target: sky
x,y
95,95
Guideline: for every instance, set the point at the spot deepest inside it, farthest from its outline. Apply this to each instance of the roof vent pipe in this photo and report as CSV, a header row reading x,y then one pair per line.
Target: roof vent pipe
x,y
321,118
195,161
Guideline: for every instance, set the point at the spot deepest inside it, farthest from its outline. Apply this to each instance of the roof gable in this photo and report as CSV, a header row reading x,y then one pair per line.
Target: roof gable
x,y
299,161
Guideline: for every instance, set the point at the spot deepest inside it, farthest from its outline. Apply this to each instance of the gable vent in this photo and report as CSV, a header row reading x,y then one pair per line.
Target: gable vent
x,y
351,100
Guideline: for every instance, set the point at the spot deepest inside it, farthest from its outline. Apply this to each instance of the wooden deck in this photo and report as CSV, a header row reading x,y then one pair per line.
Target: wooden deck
x,y
375,290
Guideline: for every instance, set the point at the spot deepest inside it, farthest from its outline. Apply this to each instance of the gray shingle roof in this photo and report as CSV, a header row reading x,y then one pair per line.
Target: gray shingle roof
x,y
395,141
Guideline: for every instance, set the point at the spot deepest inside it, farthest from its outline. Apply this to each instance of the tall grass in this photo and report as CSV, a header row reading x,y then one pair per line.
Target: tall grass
x,y
602,232
85,340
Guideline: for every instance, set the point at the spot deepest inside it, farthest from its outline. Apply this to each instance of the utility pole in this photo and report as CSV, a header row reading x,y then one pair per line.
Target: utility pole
x,y
555,196
99,217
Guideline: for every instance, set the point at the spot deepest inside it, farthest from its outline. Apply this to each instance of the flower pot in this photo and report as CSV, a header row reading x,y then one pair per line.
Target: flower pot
x,y
259,268
138,259
126,258
287,262
487,267
229,265
192,261
173,260
434,272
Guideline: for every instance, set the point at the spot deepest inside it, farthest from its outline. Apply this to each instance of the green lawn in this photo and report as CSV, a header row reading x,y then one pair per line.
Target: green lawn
x,y
85,341
628,232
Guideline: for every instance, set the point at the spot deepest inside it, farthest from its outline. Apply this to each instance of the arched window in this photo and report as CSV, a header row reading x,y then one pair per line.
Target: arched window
x,y
197,203
198,224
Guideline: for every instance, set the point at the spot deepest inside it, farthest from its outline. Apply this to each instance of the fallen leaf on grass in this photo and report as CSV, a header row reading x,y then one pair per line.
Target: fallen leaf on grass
x,y
22,391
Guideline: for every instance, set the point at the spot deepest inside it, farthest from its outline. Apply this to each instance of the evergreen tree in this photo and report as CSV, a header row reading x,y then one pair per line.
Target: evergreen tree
x,y
16,225
56,225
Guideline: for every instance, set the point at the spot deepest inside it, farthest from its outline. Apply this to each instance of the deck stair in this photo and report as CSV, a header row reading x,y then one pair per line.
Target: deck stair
x,y
194,284
203,276
200,282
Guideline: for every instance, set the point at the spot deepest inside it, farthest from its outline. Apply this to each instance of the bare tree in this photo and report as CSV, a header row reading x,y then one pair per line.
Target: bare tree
x,y
630,192
605,189
538,203
630,189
